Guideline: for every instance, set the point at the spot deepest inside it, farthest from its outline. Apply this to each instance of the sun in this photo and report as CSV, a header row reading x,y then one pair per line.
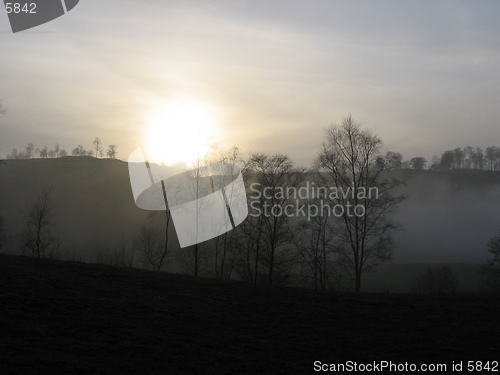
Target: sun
x,y
180,132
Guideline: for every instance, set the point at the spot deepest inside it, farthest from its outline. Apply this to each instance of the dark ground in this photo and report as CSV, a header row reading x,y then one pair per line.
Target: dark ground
x,y
74,318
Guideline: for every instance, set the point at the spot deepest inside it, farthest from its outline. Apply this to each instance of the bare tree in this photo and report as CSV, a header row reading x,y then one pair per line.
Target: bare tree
x,y
57,150
13,154
30,149
459,157
436,280
37,239
249,234
80,151
362,198
273,175
111,153
195,184
418,162
468,152
492,154
97,146
477,158
3,236
491,271
394,160
151,248
225,245
447,160
2,108
314,240
44,153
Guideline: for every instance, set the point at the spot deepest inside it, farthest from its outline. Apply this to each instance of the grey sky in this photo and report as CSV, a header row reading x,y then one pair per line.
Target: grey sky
x,y
424,76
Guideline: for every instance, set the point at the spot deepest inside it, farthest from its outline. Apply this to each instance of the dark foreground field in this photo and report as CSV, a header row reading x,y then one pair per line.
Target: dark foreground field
x,y
73,318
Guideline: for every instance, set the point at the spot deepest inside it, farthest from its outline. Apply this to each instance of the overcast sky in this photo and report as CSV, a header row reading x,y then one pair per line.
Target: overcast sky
x,y
424,76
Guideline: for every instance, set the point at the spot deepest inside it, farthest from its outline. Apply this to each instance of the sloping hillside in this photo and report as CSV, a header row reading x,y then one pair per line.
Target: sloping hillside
x,y
75,318
92,200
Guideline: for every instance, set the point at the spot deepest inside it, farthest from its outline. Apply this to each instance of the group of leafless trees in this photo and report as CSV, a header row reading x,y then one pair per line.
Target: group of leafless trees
x,y
468,158
442,279
436,280
458,158
320,250
37,238
285,243
491,271
31,151
394,160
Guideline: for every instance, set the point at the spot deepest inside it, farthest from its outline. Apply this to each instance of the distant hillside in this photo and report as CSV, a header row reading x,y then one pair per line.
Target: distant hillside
x,y
448,216
74,318
93,200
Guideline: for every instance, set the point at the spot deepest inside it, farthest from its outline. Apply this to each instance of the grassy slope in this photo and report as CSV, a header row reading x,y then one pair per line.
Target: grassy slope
x,y
74,318
400,278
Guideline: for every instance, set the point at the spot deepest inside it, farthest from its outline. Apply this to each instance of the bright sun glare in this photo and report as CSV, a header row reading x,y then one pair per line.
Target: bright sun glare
x,y
180,132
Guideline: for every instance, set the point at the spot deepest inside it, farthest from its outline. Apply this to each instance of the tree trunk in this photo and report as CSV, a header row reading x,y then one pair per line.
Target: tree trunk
x,y
224,249
271,267
165,248
196,260
358,281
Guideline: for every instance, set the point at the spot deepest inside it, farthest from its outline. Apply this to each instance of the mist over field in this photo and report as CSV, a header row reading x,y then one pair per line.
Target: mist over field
x,y
448,216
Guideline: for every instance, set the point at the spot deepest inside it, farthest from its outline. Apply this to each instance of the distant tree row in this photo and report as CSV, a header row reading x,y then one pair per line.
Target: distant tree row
x,y
459,158
394,160
468,158
436,280
32,152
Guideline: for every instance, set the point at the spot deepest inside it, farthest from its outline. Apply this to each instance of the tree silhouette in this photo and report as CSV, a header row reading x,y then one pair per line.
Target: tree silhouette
x,y
491,271
314,240
3,236
394,160
436,280
224,244
492,154
44,153
37,239
150,246
447,160
111,153
273,173
97,146
418,162
79,151
349,161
